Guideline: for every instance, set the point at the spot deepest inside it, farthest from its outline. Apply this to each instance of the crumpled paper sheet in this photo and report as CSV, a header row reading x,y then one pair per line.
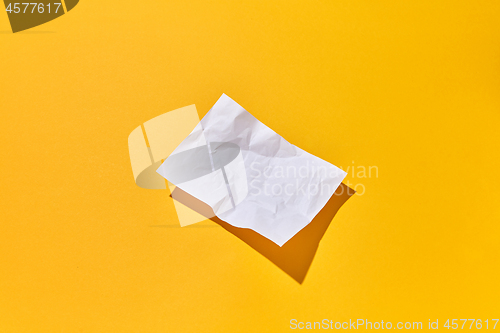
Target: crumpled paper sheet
x,y
251,176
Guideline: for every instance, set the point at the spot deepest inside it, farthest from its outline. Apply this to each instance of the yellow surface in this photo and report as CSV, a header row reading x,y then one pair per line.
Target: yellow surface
x,y
412,87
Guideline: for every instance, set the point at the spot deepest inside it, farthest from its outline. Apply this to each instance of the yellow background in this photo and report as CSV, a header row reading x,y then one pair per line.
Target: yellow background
x,y
412,87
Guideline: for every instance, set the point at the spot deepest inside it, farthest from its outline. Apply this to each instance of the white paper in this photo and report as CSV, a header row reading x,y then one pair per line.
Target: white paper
x,y
251,176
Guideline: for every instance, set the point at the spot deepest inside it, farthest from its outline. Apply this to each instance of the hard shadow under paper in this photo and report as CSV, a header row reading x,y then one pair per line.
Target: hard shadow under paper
x,y
296,255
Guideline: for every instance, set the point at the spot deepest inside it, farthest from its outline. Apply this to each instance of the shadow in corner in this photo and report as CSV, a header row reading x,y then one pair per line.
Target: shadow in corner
x,y
296,255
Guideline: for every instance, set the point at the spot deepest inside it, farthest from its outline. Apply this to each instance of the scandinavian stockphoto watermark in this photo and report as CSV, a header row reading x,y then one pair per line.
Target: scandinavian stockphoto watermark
x,y
354,324
431,324
292,180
